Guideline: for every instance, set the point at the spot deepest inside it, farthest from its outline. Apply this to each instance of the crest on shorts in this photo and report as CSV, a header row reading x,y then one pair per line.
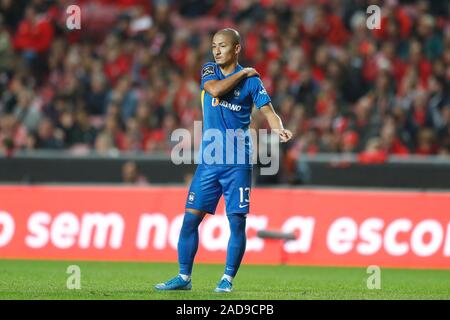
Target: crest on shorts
x,y
191,196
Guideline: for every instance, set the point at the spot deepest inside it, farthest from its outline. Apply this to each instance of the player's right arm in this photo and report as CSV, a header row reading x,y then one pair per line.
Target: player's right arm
x,y
216,87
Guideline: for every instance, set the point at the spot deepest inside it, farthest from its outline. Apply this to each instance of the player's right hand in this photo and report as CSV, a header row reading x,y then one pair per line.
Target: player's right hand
x,y
284,134
250,72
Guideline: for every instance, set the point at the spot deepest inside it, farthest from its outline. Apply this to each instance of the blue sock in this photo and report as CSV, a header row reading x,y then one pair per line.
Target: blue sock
x,y
188,242
236,243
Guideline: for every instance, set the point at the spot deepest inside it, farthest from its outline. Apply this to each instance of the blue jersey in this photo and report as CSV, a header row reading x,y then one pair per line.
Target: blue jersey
x,y
226,138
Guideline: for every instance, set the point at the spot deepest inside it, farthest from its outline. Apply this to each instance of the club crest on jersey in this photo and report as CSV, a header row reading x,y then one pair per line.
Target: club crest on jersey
x,y
208,70
236,92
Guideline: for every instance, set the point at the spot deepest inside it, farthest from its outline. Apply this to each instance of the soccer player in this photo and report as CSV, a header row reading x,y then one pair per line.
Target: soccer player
x,y
228,94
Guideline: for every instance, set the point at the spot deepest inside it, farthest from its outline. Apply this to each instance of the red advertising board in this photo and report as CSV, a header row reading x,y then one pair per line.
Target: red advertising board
x,y
331,227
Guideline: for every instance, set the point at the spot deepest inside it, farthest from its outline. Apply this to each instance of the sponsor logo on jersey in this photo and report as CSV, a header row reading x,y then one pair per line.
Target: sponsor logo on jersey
x,y
231,106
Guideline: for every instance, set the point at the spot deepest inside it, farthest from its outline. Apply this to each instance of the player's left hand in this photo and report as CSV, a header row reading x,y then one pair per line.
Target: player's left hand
x,y
284,134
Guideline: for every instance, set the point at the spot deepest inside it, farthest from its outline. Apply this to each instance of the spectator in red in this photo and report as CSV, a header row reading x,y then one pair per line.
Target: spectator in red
x,y
395,24
159,139
118,63
133,138
390,141
426,145
418,61
34,34
12,135
349,142
373,152
111,132
33,39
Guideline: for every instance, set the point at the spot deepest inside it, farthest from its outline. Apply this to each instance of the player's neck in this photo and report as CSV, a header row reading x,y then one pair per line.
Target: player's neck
x,y
226,70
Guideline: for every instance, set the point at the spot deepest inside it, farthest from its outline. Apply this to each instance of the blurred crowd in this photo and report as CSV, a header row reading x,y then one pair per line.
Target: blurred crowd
x,y
130,75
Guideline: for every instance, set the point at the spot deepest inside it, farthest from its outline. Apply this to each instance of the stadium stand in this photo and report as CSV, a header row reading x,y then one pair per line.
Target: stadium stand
x,y
130,76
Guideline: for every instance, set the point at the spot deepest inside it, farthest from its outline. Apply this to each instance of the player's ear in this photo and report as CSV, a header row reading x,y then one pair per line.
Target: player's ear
x,y
237,49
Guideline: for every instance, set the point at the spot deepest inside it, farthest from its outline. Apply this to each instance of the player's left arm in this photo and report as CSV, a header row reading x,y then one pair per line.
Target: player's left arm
x,y
262,101
275,122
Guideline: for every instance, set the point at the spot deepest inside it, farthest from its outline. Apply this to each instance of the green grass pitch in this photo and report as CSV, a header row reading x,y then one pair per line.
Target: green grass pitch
x,y
23,279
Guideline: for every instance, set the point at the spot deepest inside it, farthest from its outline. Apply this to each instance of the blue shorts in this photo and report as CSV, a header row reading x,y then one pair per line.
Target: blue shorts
x,y
210,182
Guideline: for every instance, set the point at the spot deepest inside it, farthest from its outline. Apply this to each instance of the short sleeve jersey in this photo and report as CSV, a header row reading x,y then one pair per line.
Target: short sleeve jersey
x,y
226,138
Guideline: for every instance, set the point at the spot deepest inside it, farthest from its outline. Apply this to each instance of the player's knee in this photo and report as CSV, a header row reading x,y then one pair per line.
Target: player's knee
x,y
237,222
195,211
190,223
